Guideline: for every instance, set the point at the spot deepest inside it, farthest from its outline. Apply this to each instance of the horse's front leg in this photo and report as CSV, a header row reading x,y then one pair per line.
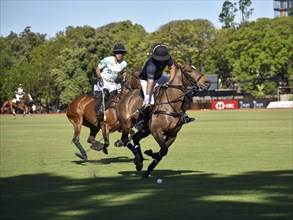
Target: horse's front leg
x,y
158,156
135,149
95,145
13,112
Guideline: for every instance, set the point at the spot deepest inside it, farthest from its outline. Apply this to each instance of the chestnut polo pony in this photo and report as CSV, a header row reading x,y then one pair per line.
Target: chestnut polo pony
x,y
81,112
24,105
165,117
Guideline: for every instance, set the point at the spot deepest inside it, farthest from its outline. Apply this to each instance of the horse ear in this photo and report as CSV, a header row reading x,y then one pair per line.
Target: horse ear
x,y
136,74
179,64
176,64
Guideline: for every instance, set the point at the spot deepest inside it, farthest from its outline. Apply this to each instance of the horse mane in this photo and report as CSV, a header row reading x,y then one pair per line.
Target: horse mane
x,y
132,82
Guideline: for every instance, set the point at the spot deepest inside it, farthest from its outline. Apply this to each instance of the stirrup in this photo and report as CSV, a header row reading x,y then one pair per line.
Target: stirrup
x,y
185,119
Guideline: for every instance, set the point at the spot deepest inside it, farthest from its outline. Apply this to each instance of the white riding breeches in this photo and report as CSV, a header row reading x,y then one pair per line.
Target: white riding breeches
x,y
162,80
111,86
18,97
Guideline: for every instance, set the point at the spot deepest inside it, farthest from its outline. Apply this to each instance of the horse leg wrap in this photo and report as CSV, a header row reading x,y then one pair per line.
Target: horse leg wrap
x,y
138,149
159,155
97,145
131,147
157,158
80,148
139,135
152,166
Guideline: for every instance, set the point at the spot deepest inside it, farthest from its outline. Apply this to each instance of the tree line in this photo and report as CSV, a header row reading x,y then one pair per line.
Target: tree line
x,y
256,55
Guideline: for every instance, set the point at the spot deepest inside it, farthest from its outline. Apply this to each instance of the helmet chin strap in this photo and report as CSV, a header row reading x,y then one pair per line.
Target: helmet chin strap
x,y
118,61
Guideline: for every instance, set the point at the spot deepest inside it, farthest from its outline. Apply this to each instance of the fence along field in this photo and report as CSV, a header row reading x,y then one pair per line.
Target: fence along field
x,y
227,165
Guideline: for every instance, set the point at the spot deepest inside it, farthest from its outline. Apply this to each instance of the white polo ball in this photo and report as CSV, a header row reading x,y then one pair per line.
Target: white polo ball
x,y
159,181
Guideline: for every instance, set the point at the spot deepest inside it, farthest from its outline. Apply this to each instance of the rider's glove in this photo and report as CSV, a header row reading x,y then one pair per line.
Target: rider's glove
x,y
166,84
146,101
119,87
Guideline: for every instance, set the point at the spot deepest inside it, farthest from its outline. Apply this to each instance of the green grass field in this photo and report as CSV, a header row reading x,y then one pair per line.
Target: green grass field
x,y
226,165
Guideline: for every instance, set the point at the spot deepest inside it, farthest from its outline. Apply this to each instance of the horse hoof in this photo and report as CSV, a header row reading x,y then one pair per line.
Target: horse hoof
x,y
83,157
149,153
97,146
145,175
105,150
118,143
138,162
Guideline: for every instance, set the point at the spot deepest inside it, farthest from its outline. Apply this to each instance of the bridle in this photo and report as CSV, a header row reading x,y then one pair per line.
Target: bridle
x,y
194,82
195,87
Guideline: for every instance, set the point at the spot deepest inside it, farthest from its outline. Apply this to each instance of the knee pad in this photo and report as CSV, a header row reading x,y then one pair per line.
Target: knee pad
x,y
106,93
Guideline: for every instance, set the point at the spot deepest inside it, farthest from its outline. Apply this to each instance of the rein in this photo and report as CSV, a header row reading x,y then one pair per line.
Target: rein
x,y
195,86
193,81
179,99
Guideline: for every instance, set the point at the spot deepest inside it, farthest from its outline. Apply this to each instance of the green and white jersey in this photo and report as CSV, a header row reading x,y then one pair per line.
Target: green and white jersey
x,y
111,69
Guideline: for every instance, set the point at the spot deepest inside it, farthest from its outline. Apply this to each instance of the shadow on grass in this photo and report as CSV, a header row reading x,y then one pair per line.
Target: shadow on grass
x,y
122,159
106,160
184,194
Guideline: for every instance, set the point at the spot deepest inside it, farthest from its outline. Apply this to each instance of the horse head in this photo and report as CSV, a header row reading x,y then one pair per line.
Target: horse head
x,y
27,98
193,77
131,82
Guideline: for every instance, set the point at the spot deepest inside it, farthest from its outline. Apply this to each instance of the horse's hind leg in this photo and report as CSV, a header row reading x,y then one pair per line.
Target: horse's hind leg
x,y
105,131
77,127
136,150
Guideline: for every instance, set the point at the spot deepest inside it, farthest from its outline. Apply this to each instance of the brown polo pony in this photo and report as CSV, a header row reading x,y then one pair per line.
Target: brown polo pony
x,y
81,111
24,105
165,117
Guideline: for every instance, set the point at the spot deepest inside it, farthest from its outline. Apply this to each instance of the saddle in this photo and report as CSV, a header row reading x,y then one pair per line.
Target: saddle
x,y
108,101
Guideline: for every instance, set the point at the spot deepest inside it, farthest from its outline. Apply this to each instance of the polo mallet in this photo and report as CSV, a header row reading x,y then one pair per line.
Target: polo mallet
x,y
103,98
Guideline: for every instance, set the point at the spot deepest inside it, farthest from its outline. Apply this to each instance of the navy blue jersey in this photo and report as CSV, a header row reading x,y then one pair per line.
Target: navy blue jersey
x,y
154,69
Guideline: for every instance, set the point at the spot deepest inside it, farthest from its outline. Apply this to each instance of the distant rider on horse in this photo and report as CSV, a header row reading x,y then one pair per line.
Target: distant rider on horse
x,y
19,93
152,75
107,72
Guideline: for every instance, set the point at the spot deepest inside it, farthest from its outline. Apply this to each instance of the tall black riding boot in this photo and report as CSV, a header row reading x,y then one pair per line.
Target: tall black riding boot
x,y
99,106
185,105
143,115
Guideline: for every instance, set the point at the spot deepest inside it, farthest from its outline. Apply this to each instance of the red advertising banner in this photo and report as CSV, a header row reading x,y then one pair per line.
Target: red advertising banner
x,y
224,104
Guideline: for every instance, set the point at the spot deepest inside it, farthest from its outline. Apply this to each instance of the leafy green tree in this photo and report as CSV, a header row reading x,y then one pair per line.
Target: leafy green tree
x,y
15,58
70,77
227,15
74,64
217,61
246,12
187,40
261,52
43,61
257,55
122,32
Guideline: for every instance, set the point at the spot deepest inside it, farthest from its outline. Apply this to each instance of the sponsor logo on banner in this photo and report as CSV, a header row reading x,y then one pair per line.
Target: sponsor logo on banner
x,y
251,104
225,105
